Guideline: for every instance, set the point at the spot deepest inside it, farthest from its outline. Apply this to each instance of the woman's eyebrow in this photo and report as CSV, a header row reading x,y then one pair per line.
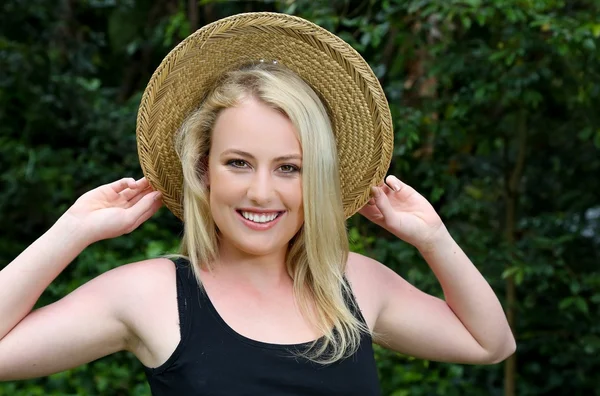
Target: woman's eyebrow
x,y
248,155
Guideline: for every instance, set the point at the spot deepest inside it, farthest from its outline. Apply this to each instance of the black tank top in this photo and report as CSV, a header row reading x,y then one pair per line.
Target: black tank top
x,y
212,359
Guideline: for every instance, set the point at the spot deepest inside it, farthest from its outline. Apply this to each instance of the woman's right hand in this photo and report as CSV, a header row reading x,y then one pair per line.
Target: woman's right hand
x,y
114,209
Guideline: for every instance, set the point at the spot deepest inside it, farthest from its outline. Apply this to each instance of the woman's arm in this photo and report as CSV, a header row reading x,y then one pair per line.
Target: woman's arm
x,y
470,297
469,326
24,280
86,324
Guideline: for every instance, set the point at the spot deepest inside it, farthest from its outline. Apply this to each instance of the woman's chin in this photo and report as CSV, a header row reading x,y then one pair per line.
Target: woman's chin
x,y
248,242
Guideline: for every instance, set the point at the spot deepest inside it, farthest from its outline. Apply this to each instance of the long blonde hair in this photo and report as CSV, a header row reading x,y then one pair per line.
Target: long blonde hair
x,y
318,253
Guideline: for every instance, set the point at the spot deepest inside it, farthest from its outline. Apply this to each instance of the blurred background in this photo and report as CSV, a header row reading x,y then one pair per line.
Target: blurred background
x,y
496,116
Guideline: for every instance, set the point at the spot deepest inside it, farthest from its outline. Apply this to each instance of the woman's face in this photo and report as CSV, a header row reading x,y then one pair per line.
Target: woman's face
x,y
255,178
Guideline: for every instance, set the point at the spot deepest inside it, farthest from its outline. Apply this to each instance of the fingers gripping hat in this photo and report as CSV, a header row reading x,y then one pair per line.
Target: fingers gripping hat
x,y
359,111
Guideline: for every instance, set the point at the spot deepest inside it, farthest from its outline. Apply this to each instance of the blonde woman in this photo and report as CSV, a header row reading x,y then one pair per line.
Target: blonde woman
x,y
264,297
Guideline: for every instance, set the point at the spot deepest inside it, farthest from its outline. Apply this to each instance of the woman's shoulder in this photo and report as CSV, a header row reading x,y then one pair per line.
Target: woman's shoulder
x,y
145,276
145,281
142,287
149,270
366,272
149,290
365,277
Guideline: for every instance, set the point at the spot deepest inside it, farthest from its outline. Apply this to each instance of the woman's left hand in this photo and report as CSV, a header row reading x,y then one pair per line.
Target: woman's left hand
x,y
404,212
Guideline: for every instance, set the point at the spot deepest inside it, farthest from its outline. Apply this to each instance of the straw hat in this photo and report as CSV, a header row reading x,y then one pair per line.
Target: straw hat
x,y
361,118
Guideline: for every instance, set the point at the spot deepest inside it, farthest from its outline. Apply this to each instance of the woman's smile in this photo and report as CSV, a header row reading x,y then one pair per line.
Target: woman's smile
x,y
260,221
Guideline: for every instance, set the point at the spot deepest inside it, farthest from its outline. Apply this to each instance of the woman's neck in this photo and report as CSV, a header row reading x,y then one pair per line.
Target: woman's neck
x,y
262,272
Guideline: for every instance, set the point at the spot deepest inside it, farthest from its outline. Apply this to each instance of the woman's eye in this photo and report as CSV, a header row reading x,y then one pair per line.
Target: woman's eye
x,y
289,168
236,163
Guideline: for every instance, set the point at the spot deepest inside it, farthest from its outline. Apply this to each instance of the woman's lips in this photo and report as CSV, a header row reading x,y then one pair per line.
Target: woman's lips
x,y
260,226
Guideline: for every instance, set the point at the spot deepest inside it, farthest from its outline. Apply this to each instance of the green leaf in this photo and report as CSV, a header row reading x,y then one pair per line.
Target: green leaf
x,y
589,44
582,305
466,21
574,301
510,272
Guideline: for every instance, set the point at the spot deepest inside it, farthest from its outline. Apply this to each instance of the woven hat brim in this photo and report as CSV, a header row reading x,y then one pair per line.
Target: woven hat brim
x,y
359,111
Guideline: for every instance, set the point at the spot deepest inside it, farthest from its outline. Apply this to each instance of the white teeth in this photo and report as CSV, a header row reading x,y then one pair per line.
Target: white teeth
x,y
259,218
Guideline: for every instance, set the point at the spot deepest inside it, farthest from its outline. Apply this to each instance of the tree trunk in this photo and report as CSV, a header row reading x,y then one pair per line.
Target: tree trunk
x,y
512,194
424,86
193,15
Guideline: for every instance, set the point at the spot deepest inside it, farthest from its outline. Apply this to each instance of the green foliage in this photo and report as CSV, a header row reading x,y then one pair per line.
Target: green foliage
x,y
494,103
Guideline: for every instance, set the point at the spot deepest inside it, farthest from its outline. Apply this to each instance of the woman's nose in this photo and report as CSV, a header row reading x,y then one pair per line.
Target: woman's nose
x,y
261,188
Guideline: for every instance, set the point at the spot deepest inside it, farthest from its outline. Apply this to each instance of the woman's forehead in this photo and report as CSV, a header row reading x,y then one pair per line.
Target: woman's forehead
x,y
254,127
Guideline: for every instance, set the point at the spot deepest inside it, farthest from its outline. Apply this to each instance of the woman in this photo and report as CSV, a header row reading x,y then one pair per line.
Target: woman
x,y
265,297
